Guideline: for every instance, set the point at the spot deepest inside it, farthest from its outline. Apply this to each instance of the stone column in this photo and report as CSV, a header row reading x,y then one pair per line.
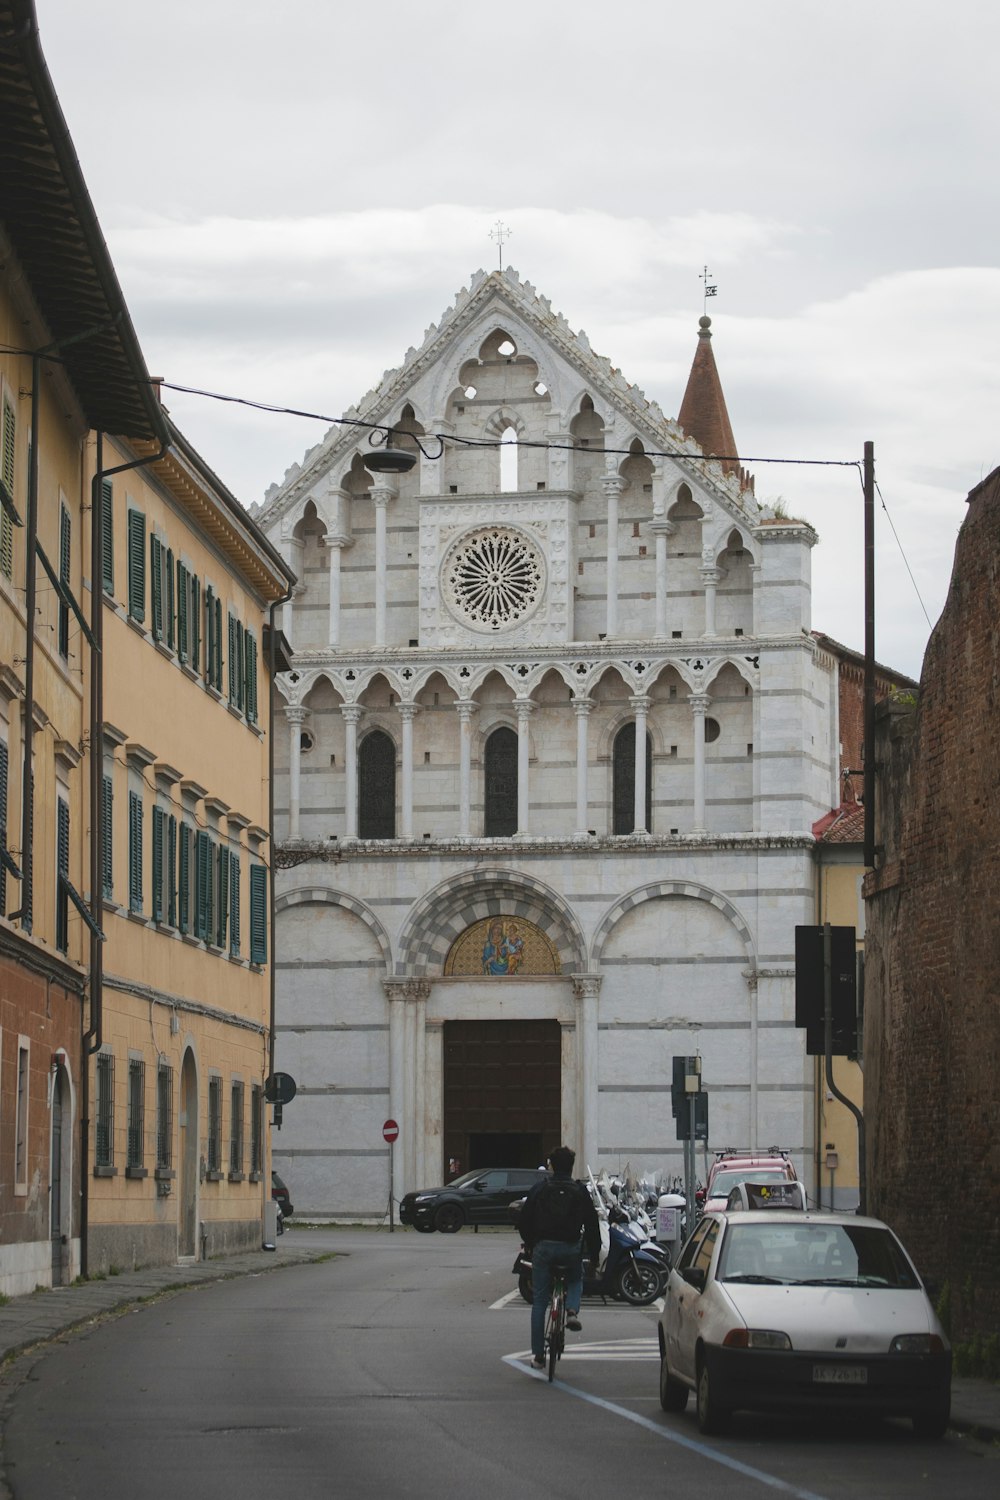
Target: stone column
x,y
382,493
351,714
407,714
710,577
661,529
699,707
336,546
395,993
296,715
466,710
292,549
586,991
407,1080
524,708
641,709
613,484
582,708
756,572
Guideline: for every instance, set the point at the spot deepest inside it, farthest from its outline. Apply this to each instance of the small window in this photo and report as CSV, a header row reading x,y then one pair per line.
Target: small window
x,y
623,757
136,1115
712,731
104,1107
377,787
21,1118
236,1130
306,740
256,1131
215,1125
164,1116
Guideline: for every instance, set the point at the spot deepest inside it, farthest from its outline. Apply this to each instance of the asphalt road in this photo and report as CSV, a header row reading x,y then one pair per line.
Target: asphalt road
x,y
400,1369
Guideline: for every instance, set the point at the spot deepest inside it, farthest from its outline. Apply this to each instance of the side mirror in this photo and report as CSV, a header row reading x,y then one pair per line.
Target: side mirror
x,y
694,1276
479,1186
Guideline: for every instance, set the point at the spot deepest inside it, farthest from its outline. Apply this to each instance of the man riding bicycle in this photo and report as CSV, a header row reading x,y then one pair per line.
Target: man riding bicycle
x,y
557,1215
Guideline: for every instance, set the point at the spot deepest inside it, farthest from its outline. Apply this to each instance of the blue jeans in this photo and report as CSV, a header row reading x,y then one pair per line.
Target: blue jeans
x,y
542,1256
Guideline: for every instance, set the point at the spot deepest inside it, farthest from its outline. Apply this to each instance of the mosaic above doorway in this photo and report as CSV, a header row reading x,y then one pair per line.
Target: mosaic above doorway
x,y
500,947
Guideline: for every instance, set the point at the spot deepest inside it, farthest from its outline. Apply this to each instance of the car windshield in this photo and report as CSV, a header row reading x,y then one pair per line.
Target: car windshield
x,y
724,1183
815,1254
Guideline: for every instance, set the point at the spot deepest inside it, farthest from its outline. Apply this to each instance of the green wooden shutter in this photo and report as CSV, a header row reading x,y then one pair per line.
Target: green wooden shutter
x,y
65,556
235,664
258,914
194,615
7,447
183,600
62,866
184,879
157,864
209,633
108,536
222,904
168,578
156,585
107,839
202,885
234,904
172,870
250,684
134,851
136,565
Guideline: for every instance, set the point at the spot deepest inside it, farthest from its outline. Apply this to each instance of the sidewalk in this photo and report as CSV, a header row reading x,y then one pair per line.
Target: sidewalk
x,y
30,1320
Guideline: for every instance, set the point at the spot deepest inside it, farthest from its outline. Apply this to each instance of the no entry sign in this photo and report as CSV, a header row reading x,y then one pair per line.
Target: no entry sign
x,y
390,1131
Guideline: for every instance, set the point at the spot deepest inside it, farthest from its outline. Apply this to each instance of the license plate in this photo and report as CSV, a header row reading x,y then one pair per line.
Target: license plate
x,y
840,1375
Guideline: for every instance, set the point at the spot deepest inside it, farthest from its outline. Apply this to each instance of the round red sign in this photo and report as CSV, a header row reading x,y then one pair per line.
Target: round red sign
x,y
390,1131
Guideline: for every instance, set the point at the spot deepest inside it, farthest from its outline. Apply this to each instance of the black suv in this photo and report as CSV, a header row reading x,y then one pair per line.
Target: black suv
x,y
482,1197
280,1194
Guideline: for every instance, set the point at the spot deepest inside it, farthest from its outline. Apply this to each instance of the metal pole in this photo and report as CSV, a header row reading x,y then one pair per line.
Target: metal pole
x,y
392,1178
828,1048
869,689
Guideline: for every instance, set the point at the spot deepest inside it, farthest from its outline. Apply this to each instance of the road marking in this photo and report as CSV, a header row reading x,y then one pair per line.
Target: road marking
x,y
521,1362
505,1301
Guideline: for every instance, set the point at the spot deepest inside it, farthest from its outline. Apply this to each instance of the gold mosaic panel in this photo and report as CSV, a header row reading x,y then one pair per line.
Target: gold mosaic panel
x,y
501,947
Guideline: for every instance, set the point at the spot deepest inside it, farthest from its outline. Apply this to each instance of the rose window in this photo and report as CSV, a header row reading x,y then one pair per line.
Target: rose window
x,y
493,578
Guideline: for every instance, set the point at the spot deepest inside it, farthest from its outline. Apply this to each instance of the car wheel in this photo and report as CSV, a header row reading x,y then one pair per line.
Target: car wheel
x,y
711,1416
932,1425
639,1284
525,1287
673,1393
449,1218
424,1228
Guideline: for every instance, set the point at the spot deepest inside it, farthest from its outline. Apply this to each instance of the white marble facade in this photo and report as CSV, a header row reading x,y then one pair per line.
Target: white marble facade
x,y
583,578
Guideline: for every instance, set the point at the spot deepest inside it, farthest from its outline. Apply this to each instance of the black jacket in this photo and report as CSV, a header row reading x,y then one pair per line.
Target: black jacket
x,y
590,1225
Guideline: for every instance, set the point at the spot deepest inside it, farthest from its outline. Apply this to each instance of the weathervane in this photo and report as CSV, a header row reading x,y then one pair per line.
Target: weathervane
x,y
501,233
711,290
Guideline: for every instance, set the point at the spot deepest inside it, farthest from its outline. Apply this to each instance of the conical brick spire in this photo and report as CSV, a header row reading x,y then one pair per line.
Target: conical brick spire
x,y
703,414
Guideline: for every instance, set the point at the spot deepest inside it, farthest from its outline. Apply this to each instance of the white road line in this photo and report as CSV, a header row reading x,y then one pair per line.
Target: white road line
x,y
505,1301
658,1429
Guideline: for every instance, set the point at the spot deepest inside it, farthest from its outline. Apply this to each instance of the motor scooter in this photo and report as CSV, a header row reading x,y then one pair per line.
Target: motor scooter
x,y
632,1271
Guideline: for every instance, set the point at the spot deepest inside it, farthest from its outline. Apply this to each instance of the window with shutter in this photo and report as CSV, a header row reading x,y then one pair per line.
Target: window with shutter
x,y
250,676
65,535
258,914
183,603
222,903
136,542
202,885
172,870
194,627
184,878
134,851
62,867
156,585
168,592
104,1110
158,864
234,905
234,662
107,536
107,839
209,635
8,433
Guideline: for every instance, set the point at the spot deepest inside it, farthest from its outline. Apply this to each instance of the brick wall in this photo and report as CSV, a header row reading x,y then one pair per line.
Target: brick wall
x,y
932,1025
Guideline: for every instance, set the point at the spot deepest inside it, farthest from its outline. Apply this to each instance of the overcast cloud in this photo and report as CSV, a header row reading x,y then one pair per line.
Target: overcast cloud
x,y
292,194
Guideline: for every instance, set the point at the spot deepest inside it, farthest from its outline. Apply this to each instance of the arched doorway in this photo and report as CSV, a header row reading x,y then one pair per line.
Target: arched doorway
x,y
188,1118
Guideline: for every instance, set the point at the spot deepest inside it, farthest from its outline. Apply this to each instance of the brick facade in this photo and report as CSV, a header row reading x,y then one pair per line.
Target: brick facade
x,y
932,1027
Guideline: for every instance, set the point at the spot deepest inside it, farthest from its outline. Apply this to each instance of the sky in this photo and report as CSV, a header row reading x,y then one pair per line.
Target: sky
x,y
293,193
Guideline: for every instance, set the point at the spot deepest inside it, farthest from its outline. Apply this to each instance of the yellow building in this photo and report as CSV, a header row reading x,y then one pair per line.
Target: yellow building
x,y
135,605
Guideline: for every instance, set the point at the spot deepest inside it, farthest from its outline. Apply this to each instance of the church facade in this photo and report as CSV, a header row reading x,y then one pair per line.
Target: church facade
x,y
557,733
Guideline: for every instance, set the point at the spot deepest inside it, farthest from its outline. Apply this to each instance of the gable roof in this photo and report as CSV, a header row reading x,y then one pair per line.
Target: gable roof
x,y
503,292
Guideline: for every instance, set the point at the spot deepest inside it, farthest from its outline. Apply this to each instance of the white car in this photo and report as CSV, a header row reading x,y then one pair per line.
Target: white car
x,y
791,1311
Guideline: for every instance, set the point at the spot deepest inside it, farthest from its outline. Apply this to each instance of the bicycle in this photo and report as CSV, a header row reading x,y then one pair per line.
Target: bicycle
x,y
555,1318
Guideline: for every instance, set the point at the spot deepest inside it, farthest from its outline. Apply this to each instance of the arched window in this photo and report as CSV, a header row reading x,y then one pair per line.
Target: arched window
x,y
623,804
377,787
500,799
508,460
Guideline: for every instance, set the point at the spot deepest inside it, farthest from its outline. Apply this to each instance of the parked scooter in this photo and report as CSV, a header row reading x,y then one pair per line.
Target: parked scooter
x,y
633,1271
